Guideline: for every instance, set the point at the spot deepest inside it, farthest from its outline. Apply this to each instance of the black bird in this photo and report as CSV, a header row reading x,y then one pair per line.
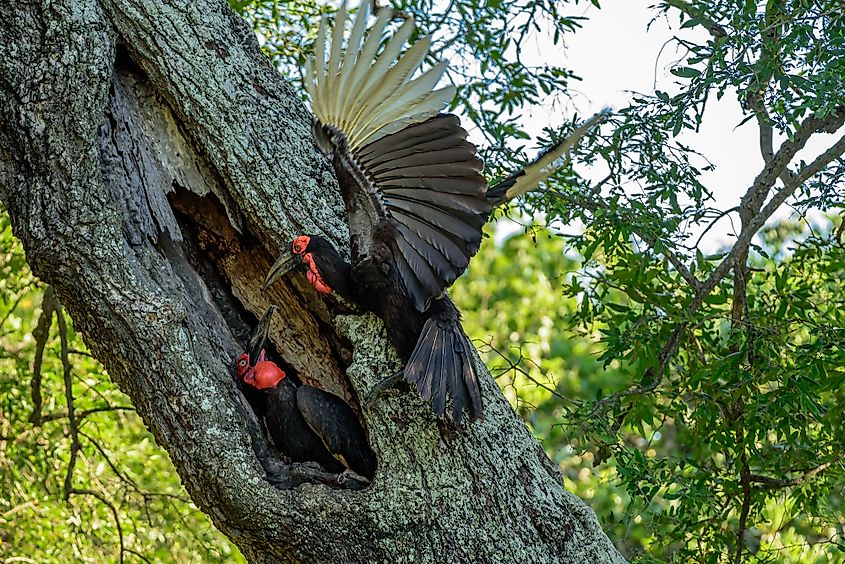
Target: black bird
x,y
306,423
415,198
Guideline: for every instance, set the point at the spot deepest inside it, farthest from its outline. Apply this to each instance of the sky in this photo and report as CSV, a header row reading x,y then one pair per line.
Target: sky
x,y
617,53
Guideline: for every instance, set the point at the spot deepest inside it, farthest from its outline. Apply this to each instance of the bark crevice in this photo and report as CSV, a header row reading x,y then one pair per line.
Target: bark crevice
x,y
122,184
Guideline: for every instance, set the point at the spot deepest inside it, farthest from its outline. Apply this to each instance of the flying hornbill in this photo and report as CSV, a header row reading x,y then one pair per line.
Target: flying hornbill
x,y
414,194
306,423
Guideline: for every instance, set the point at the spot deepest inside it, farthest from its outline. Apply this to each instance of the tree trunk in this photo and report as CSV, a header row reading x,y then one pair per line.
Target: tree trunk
x,y
154,162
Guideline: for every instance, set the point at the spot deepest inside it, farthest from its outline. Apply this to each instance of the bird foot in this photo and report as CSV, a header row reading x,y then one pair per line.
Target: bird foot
x,y
381,387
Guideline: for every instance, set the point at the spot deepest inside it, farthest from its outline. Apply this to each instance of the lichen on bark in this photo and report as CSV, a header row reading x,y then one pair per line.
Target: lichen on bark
x,y
159,256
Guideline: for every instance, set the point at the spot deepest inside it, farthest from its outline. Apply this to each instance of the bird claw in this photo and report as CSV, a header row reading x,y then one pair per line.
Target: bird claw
x,y
377,390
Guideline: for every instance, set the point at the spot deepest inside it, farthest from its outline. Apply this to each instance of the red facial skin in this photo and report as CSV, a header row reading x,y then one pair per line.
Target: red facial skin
x,y
300,244
265,374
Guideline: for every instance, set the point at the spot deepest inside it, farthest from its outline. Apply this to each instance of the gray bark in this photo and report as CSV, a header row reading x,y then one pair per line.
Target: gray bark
x,y
153,163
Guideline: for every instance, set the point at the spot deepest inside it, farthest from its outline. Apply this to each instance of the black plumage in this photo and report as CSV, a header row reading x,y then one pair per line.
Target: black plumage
x,y
312,425
305,423
415,198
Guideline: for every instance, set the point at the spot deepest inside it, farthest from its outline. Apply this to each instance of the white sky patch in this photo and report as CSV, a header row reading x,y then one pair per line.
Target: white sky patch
x,y
624,49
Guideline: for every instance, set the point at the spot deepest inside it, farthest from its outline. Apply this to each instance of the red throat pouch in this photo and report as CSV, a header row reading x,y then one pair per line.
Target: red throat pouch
x,y
314,276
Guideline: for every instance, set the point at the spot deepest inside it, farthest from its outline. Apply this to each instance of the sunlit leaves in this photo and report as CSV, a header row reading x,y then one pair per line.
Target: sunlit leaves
x,y
119,458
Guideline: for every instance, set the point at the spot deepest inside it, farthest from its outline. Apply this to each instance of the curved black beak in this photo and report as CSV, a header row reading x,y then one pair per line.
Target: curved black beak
x,y
284,264
258,340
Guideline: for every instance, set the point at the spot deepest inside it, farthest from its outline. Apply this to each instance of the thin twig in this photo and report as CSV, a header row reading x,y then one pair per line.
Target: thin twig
x,y
650,240
71,415
769,483
712,223
15,305
715,29
125,478
85,413
138,555
112,508
515,367
41,334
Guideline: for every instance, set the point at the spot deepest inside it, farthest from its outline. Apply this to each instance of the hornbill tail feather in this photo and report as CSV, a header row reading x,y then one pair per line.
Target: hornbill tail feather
x,y
441,367
530,177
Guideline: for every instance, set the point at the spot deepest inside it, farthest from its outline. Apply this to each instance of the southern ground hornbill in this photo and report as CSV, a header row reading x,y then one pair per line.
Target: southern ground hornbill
x,y
306,423
414,194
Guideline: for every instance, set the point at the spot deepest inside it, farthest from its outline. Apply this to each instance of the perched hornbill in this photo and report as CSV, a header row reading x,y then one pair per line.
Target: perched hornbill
x,y
414,194
306,423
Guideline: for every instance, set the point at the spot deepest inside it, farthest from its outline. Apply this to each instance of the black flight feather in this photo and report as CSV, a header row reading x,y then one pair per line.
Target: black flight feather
x,y
444,269
449,246
467,169
429,130
455,139
463,154
422,269
457,202
466,226
414,289
470,377
456,185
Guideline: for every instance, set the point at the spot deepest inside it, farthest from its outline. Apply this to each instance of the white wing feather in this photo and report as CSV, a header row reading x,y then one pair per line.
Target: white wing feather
x,y
405,98
333,69
320,69
353,47
430,106
540,170
357,78
366,93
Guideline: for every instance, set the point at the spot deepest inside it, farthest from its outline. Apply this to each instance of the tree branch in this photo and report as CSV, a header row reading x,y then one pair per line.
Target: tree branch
x,y
123,477
716,30
112,508
764,124
49,304
594,205
85,413
748,231
769,483
652,376
75,446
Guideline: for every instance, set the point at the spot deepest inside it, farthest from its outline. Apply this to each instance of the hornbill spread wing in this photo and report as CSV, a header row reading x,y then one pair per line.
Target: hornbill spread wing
x,y
414,194
422,175
427,184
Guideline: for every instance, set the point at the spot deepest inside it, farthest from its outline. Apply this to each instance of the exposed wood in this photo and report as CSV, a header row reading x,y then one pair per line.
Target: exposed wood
x,y
154,200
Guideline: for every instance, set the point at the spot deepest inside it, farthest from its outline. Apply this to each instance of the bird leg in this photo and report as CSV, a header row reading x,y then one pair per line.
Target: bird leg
x,y
381,387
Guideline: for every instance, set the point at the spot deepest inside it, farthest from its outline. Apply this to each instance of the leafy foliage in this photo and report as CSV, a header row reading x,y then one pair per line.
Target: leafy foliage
x,y
122,484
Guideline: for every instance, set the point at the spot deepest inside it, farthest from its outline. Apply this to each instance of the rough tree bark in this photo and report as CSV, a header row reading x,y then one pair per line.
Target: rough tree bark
x,y
153,163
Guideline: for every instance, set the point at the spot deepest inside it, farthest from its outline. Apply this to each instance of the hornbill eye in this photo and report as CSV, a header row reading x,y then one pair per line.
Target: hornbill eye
x,y
300,244
242,363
